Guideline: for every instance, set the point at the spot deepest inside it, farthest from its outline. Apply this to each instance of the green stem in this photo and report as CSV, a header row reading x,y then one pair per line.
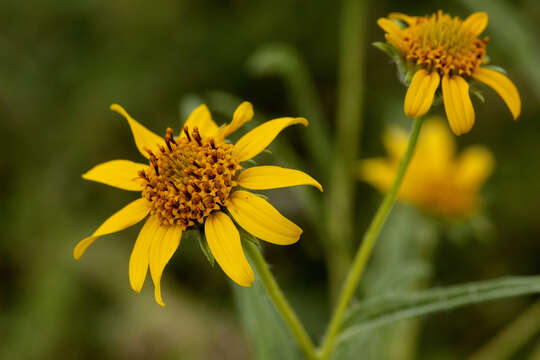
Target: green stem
x,y
349,123
280,302
364,252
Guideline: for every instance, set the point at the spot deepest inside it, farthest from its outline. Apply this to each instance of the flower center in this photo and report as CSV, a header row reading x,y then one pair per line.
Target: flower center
x,y
189,178
441,43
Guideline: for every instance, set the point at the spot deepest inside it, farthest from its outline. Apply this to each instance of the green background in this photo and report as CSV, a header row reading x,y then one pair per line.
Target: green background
x,y
62,63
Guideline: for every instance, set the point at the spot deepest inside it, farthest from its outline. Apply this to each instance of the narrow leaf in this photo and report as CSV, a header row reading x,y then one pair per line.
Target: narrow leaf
x,y
392,307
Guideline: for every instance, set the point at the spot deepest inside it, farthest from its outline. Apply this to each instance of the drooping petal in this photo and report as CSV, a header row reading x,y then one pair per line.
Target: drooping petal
x,y
161,251
457,104
224,242
389,26
474,166
144,138
259,138
273,177
476,22
202,120
128,216
261,219
138,261
242,115
503,86
405,18
420,94
122,174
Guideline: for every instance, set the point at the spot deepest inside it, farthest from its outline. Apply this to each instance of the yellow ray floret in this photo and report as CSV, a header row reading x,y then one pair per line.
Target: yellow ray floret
x,y
261,219
121,174
128,216
191,181
224,242
446,50
437,180
273,177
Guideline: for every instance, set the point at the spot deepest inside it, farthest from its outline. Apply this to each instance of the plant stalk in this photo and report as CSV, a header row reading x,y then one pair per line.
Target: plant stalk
x,y
364,252
349,123
280,302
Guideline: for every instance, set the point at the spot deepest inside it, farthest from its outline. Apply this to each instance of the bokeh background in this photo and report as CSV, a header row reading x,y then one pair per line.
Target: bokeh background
x,y
62,63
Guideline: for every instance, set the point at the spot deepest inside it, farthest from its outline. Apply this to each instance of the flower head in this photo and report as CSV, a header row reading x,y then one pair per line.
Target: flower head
x,y
194,180
437,181
444,50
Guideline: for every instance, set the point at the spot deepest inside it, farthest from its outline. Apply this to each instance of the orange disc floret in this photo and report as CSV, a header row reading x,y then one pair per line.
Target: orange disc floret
x,y
438,43
189,178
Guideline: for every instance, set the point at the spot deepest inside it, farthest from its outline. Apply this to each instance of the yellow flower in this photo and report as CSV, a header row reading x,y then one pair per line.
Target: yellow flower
x,y
437,180
446,49
194,180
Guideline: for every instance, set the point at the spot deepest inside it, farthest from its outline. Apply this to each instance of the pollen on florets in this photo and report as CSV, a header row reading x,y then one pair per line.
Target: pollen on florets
x,y
188,178
440,43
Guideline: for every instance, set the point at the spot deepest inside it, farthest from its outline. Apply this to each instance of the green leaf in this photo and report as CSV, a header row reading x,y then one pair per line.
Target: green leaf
x,y
496,68
204,246
266,332
388,50
244,235
406,70
477,94
392,307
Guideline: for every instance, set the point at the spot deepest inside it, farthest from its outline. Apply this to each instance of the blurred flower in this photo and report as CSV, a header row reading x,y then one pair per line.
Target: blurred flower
x,y
437,180
192,180
441,46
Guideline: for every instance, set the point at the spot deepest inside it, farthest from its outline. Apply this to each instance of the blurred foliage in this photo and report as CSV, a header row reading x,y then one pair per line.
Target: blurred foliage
x,y
64,62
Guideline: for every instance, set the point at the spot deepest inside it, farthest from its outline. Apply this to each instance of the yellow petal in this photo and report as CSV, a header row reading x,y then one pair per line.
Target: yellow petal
x,y
261,219
272,177
259,138
224,242
242,115
144,138
476,22
405,18
377,172
503,86
389,26
457,103
122,174
202,120
436,146
162,249
138,261
395,141
474,166
420,94
128,216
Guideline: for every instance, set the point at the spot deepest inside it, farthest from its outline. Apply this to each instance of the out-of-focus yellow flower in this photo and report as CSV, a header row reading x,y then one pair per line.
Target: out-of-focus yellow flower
x,y
437,181
444,49
193,180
